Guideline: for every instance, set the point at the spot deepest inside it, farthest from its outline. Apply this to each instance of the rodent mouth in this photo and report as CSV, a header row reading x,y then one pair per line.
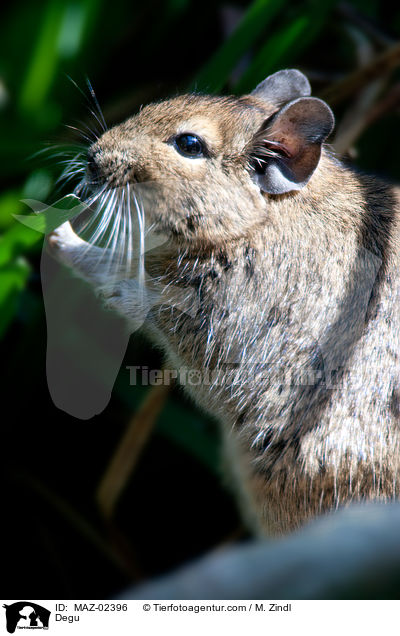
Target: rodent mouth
x,y
95,178
113,223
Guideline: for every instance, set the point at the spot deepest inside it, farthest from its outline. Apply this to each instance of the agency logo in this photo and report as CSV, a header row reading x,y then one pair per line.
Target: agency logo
x,y
26,615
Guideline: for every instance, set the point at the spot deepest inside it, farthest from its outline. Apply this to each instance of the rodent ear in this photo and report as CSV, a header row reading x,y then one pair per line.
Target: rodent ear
x,y
282,87
286,150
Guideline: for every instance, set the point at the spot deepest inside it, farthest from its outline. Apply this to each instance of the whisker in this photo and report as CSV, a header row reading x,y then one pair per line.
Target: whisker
x,y
140,216
70,171
150,228
106,221
97,197
90,200
104,210
81,190
130,236
99,110
92,131
111,244
73,168
120,242
53,151
81,134
100,121
123,245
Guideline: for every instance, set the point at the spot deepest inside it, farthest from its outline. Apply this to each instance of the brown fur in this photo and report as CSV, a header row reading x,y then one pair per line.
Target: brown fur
x,y
296,306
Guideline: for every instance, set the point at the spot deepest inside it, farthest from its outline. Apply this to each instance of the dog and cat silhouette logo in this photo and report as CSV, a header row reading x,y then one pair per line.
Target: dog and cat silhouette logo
x,y
26,615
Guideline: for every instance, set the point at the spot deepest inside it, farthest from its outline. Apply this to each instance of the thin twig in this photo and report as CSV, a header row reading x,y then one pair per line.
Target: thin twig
x,y
378,67
354,120
76,520
128,451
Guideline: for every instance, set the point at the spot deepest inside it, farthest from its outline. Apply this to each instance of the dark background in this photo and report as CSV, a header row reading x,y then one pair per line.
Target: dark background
x,y
56,541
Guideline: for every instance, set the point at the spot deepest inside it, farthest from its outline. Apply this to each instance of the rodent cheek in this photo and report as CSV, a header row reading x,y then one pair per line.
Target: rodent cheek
x,y
235,198
157,162
186,168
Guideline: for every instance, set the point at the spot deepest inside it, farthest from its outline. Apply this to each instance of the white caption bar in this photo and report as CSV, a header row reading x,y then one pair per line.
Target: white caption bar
x,y
177,618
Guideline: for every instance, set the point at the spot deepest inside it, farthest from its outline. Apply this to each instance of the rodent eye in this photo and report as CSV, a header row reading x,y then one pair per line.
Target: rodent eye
x,y
189,145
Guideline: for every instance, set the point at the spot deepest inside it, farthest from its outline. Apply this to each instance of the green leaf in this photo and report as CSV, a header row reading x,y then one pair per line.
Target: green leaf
x,y
48,218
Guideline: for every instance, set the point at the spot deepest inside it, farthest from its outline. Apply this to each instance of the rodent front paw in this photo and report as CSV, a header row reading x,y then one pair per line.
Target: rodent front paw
x,y
62,243
63,237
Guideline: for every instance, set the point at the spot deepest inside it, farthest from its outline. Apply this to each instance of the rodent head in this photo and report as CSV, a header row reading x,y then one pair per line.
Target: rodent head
x,y
206,166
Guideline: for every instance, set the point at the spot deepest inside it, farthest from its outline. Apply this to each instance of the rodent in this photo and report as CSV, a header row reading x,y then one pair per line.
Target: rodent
x,y
292,259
